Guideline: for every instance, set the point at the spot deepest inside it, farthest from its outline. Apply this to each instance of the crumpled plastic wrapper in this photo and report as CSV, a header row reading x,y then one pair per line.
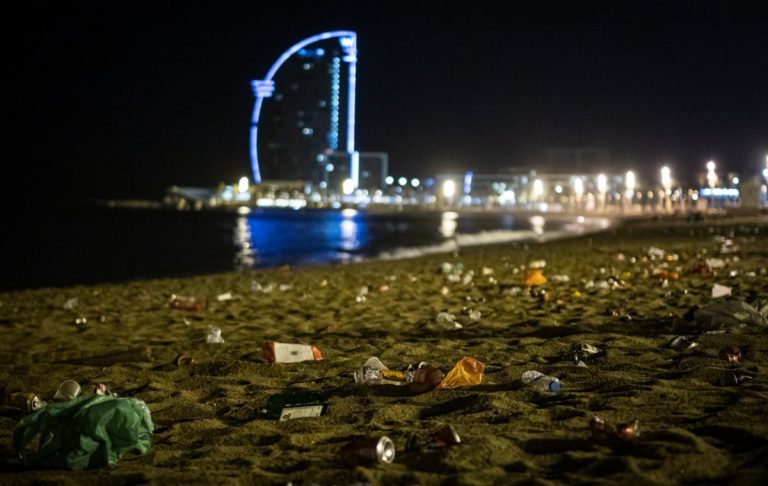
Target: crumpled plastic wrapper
x,y
729,315
88,432
467,372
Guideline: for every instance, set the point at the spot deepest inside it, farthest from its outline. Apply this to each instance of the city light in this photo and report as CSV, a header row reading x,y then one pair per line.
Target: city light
x,y
578,187
389,180
629,183
348,186
666,179
449,188
402,181
538,188
602,183
242,185
415,182
711,176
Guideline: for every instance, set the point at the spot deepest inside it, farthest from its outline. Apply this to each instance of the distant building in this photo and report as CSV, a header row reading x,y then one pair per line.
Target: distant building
x,y
303,119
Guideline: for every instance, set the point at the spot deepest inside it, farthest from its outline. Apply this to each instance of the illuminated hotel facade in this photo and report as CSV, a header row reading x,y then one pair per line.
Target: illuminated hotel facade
x,y
303,122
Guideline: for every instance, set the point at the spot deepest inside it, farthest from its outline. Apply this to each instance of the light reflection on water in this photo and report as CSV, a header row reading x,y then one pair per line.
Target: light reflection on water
x,y
268,238
448,224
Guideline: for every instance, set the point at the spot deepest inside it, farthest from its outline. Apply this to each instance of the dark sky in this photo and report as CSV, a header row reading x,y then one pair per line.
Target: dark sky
x,y
122,99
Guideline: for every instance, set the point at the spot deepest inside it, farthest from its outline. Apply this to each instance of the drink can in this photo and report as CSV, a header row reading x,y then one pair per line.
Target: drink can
x,y
369,450
276,352
296,404
28,402
732,354
187,303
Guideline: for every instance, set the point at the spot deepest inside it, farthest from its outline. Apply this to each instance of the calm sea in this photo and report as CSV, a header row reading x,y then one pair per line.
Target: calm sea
x,y
96,244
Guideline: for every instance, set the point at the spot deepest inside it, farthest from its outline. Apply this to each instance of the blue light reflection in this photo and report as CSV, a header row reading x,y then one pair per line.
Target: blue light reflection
x,y
286,238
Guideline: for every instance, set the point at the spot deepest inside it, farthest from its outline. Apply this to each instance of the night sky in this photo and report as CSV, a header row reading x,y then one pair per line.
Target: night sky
x,y
125,99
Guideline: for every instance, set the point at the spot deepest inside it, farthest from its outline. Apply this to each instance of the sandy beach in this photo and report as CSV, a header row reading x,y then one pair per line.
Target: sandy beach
x,y
626,291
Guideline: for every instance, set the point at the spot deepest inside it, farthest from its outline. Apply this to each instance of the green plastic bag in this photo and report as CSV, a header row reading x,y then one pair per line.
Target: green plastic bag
x,y
88,432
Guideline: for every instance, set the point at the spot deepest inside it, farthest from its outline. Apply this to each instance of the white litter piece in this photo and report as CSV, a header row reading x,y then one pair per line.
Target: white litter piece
x,y
214,335
720,291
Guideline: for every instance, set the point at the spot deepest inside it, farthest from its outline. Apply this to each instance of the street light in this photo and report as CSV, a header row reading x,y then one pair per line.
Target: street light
x,y
711,176
666,183
629,183
602,188
538,188
578,190
449,189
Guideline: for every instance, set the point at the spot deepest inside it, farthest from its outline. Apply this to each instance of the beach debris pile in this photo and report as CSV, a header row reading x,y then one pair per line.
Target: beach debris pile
x,y
83,431
423,377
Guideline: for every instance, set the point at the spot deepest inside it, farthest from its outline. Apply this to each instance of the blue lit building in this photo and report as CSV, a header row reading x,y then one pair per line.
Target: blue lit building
x,y
303,123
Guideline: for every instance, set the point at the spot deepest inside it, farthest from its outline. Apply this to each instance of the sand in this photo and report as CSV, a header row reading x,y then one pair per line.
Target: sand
x,y
209,426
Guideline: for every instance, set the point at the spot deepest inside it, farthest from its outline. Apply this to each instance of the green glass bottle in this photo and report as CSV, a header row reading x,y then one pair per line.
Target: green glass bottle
x,y
296,404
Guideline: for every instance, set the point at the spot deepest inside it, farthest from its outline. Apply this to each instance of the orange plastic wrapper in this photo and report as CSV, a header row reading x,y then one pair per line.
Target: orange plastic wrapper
x,y
534,277
665,274
467,372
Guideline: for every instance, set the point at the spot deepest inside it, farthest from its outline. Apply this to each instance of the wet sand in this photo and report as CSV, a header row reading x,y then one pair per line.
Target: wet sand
x,y
209,428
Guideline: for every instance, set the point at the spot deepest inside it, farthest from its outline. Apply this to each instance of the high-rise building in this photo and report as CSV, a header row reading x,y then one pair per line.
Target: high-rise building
x,y
304,116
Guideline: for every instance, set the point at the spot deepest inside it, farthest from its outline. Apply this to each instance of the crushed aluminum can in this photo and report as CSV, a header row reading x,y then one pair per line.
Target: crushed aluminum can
x,y
183,359
187,303
731,378
68,390
23,401
425,378
369,451
628,430
682,343
732,354
601,430
276,352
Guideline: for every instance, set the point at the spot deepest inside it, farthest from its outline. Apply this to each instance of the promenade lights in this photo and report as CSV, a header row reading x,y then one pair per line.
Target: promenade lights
x,y
449,189
602,184
242,185
538,188
602,188
389,180
348,186
711,176
415,182
578,190
578,187
666,183
402,181
629,184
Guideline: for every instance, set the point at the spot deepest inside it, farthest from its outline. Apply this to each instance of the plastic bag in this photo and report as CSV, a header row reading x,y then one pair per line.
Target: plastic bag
x,y
730,315
88,432
467,372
